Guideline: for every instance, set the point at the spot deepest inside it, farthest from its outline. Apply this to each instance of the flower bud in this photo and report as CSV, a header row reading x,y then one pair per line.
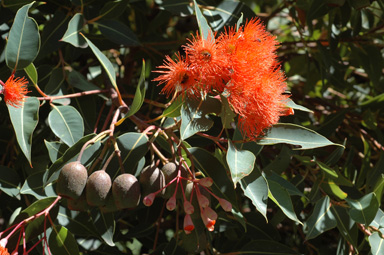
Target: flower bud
x,y
171,204
203,200
188,207
206,182
210,213
148,200
227,206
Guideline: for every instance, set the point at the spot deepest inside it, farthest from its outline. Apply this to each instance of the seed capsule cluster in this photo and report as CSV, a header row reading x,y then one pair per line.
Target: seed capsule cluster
x,y
97,189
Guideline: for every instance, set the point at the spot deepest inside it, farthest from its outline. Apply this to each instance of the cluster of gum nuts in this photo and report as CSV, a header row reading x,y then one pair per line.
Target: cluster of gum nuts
x,y
171,182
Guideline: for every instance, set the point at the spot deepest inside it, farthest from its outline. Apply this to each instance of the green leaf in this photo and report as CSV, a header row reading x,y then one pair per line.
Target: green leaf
x,y
194,116
295,135
212,167
240,162
334,174
105,225
255,187
139,96
9,181
23,41
32,73
205,30
106,64
66,123
56,86
34,185
292,189
174,109
364,210
227,115
79,223
72,34
78,81
118,32
53,32
112,10
321,219
345,224
282,199
378,188
266,247
359,4
55,150
377,243
24,121
291,104
133,147
332,189
62,242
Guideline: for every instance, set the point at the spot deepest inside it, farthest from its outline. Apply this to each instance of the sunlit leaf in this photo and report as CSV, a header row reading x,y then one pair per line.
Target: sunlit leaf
x,y
66,123
72,34
62,242
364,210
240,162
24,121
23,41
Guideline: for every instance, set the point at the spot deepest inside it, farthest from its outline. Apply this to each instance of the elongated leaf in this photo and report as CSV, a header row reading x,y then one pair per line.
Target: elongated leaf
x,y
105,225
377,243
72,34
32,73
291,104
205,30
78,81
113,9
34,185
227,115
133,147
240,162
57,86
23,41
255,187
79,223
55,150
9,181
139,96
292,190
364,209
62,242
118,32
106,64
66,123
332,189
295,135
53,31
174,109
269,247
345,224
282,199
24,121
321,218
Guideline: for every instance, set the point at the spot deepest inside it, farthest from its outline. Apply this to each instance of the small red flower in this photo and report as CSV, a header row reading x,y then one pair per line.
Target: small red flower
x,y
188,224
14,91
178,77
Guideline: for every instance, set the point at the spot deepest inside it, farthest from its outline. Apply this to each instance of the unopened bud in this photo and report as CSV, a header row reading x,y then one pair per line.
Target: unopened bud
x,y
188,207
148,200
203,200
206,182
171,203
227,206
210,213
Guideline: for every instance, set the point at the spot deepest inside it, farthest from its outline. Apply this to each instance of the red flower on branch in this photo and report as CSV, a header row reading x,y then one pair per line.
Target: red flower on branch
x,y
15,90
3,251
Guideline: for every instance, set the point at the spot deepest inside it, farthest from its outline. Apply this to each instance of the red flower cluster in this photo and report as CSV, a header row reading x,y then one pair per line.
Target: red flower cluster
x,y
240,65
14,91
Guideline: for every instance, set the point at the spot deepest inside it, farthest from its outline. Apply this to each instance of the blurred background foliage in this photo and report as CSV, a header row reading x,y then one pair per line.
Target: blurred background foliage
x,y
333,57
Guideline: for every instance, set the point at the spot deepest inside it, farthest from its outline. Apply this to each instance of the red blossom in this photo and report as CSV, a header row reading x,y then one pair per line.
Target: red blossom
x,y
14,91
3,251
